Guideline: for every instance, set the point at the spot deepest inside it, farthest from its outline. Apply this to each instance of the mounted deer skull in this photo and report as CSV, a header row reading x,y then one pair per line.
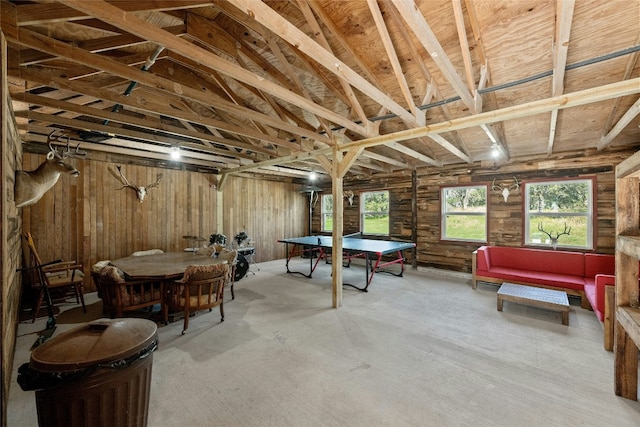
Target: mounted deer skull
x,y
554,240
31,186
349,195
141,191
505,191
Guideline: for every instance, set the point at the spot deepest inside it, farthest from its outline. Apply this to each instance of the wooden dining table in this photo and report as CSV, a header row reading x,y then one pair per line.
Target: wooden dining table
x,y
165,266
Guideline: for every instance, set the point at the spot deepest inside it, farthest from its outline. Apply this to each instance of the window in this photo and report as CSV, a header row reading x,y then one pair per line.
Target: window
x,y
464,213
374,213
560,211
327,212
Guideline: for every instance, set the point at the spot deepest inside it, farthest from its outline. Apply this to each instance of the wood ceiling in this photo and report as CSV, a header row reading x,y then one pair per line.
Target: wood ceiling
x,y
273,86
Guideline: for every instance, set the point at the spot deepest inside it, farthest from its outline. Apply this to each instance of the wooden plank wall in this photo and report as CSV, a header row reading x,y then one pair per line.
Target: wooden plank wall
x,y
10,158
505,219
88,218
266,211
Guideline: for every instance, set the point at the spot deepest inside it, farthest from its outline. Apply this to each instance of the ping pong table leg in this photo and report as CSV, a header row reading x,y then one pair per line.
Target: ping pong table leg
x,y
311,250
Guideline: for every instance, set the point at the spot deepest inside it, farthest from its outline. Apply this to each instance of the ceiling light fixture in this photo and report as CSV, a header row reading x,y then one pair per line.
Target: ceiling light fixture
x,y
313,176
495,150
175,153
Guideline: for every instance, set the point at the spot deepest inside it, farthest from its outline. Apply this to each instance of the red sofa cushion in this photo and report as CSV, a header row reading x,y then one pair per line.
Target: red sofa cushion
x,y
537,260
541,278
599,264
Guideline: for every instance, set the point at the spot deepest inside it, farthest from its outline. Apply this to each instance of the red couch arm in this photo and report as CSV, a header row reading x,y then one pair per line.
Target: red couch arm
x,y
483,261
601,281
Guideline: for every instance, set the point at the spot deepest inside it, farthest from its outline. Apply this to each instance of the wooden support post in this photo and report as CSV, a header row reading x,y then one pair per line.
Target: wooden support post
x,y
626,364
414,216
609,316
336,250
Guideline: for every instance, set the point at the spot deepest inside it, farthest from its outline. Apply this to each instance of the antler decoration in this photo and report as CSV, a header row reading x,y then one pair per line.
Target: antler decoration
x,y
554,240
505,191
141,191
349,195
66,153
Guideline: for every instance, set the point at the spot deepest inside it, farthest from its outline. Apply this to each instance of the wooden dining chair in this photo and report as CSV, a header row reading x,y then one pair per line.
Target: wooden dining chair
x,y
64,276
122,295
201,287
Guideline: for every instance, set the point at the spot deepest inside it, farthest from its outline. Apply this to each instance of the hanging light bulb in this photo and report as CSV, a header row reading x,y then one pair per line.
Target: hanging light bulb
x,y
175,153
313,176
495,150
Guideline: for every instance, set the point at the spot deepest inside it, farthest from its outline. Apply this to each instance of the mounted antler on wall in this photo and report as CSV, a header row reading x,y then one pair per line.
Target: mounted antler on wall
x,y
31,186
554,240
349,195
505,191
141,191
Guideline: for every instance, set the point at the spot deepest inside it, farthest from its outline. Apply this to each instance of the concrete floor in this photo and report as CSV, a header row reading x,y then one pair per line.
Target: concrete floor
x,y
424,349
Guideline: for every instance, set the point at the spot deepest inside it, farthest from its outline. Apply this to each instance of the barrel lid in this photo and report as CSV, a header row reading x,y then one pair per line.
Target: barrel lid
x,y
101,341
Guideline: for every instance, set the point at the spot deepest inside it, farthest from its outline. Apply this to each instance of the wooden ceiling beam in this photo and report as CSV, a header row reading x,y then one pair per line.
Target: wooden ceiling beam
x,y
630,114
569,100
132,148
129,22
564,18
287,31
375,156
631,65
485,75
165,142
121,41
47,12
392,56
138,101
464,46
144,123
415,20
38,41
344,42
290,72
346,87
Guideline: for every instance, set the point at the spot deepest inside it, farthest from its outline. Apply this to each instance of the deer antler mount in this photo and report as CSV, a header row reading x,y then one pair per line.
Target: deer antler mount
x,y
554,240
349,196
141,191
505,190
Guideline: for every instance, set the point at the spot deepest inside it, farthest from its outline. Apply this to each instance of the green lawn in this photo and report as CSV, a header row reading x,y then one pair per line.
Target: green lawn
x,y
466,227
553,226
373,225
472,227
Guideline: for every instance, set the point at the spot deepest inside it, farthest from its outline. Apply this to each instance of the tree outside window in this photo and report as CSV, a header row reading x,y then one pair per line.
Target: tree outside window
x,y
558,207
374,213
464,213
327,212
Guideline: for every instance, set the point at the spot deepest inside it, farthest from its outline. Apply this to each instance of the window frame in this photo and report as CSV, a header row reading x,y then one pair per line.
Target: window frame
x,y
590,214
324,213
444,212
362,197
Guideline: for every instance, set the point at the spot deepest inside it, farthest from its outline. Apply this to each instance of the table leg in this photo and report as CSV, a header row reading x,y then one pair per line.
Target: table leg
x,y
499,303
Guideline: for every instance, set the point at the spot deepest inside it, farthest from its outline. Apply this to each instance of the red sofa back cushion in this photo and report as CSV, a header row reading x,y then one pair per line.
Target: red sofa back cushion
x,y
538,260
599,264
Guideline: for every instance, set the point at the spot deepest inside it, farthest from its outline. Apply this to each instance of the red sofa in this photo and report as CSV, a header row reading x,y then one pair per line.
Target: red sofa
x,y
581,274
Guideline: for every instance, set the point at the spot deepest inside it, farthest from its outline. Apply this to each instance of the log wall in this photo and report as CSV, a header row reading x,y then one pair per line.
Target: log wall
x,y
89,218
266,211
10,158
505,219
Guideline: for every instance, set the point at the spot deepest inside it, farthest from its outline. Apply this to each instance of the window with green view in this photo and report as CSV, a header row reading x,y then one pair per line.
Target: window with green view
x,y
464,213
374,213
327,212
561,211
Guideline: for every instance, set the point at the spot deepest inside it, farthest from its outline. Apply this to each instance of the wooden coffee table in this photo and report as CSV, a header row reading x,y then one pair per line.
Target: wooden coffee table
x,y
535,297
